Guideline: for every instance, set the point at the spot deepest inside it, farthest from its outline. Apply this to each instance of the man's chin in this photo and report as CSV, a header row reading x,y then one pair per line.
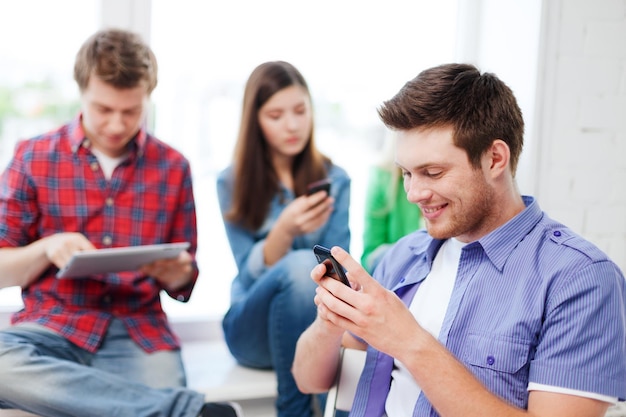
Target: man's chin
x,y
438,232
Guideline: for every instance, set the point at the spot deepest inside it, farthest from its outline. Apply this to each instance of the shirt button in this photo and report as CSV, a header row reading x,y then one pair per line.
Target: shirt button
x,y
94,166
106,299
491,360
109,201
107,240
557,233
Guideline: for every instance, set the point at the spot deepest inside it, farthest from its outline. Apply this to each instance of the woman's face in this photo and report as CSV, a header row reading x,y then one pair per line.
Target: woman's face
x,y
286,121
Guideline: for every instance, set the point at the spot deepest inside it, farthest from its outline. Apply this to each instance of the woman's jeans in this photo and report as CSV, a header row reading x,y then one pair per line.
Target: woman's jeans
x,y
262,329
44,374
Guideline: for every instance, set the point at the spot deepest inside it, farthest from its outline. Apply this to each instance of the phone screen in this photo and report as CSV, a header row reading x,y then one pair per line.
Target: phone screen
x,y
333,268
318,186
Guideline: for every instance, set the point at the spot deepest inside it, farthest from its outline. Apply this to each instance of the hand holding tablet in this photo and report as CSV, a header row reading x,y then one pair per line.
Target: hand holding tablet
x,y
130,258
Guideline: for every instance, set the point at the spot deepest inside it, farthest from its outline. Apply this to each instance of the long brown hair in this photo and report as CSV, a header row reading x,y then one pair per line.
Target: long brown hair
x,y
255,180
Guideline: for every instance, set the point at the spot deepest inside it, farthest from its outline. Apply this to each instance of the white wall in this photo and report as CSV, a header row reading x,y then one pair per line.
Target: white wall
x,y
566,63
581,120
131,14
502,36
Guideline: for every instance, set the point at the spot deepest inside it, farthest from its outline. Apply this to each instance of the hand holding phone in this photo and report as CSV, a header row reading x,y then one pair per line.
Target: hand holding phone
x,y
316,186
333,267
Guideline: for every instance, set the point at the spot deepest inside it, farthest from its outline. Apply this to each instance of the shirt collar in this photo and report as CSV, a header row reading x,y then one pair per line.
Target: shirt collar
x,y
500,243
77,136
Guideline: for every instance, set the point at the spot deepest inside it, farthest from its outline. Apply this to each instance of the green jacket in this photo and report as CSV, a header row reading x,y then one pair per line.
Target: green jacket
x,y
385,222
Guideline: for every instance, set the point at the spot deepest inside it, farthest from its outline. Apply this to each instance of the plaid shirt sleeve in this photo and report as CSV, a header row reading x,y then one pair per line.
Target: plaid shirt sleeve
x,y
54,184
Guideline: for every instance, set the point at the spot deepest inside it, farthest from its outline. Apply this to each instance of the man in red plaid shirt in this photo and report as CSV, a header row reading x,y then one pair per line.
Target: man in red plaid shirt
x,y
100,345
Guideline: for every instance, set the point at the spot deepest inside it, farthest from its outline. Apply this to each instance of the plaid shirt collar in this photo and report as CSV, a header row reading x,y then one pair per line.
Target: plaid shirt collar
x,y
77,136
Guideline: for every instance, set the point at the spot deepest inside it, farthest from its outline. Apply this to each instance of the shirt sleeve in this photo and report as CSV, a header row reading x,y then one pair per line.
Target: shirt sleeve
x,y
185,230
337,231
18,203
581,347
247,251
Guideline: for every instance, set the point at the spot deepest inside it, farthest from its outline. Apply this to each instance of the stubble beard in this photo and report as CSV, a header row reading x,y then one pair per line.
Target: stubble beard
x,y
469,221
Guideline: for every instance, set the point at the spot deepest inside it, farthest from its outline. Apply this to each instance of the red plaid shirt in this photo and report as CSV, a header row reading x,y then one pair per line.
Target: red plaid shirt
x,y
54,184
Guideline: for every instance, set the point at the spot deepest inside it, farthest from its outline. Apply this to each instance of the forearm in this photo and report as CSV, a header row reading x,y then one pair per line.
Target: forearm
x,y
317,357
21,266
277,243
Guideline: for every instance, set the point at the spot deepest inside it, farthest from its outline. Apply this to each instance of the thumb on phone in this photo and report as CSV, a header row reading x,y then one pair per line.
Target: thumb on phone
x,y
358,276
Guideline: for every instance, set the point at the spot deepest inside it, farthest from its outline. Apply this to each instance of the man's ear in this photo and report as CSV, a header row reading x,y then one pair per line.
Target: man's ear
x,y
499,156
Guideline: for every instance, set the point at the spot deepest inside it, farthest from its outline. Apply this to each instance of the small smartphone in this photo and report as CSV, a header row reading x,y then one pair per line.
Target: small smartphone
x,y
333,268
316,186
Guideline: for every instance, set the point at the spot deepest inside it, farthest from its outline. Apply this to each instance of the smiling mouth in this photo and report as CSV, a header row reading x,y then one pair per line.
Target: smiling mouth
x,y
432,209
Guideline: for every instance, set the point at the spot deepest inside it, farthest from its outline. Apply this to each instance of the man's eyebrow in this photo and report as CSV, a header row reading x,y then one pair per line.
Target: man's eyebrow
x,y
105,106
417,167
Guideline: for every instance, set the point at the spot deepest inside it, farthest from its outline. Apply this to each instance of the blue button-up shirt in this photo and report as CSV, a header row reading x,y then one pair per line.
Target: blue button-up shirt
x,y
532,302
247,246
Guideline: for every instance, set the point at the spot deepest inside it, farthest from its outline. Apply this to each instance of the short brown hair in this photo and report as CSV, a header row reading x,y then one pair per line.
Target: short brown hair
x,y
119,58
479,107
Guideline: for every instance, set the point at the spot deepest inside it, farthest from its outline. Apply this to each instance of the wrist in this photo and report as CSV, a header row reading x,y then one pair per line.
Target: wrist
x,y
328,330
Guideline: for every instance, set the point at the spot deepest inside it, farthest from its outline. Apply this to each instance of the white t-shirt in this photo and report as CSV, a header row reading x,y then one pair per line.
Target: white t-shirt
x,y
107,163
429,307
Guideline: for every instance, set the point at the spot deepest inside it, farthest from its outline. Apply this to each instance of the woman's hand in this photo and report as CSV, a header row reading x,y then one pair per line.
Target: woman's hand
x,y
306,214
303,215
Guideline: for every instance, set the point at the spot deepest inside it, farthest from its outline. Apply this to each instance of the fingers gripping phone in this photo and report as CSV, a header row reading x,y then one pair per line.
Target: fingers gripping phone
x,y
318,186
333,267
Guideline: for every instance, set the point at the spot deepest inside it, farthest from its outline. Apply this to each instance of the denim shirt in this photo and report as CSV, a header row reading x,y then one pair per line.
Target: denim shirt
x,y
532,303
247,246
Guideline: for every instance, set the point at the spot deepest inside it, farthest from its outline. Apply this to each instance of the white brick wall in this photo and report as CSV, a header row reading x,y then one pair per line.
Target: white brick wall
x,y
581,120
566,63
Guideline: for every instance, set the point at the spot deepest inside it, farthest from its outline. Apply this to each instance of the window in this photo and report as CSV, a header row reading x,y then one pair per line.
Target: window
x,y
353,54
37,90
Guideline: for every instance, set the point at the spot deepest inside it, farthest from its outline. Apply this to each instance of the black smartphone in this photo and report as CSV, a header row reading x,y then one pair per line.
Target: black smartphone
x,y
333,268
316,186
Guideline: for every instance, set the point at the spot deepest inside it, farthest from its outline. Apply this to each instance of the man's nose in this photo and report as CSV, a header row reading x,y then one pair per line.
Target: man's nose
x,y
116,123
416,190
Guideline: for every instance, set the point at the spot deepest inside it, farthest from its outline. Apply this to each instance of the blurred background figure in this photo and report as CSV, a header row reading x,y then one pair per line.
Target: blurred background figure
x,y
388,214
272,224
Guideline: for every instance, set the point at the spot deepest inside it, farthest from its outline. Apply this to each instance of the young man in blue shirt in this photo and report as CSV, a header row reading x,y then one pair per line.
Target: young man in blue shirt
x,y
495,309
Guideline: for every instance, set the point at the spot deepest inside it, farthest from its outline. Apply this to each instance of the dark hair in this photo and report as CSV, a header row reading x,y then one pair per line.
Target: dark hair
x,y
255,180
119,58
479,107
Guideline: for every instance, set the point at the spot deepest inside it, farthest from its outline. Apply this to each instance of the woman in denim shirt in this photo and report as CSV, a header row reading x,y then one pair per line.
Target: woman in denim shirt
x,y
272,225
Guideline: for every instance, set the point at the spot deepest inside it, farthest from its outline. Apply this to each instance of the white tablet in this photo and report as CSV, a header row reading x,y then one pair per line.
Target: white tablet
x,y
129,258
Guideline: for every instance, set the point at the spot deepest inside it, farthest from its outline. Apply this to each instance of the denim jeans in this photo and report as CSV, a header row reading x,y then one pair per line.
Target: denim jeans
x,y
42,373
262,328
